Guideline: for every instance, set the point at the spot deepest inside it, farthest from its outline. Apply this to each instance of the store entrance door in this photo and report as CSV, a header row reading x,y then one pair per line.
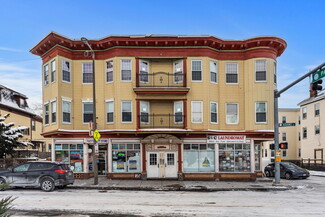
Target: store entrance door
x,y
161,164
101,162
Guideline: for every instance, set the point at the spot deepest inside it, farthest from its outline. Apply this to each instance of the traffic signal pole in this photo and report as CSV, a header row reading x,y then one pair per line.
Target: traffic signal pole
x,y
276,120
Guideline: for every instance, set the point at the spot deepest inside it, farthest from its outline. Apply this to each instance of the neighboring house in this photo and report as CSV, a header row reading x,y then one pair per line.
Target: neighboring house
x,y
168,106
15,104
312,127
289,134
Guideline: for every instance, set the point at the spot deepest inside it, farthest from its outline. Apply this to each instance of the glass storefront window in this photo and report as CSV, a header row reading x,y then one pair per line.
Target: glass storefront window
x,y
68,153
126,158
257,150
234,158
199,158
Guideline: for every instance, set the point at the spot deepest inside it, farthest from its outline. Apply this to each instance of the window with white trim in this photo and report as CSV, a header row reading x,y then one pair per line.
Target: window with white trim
x,y
213,112
197,112
304,132
284,136
232,113
109,71
260,70
87,112
284,119
317,129
126,70
66,73
213,72
110,111
53,71
46,114
304,112
274,73
196,70
87,73
260,111
144,112
126,111
144,71
53,111
178,112
231,73
178,71
46,74
284,153
317,109
66,111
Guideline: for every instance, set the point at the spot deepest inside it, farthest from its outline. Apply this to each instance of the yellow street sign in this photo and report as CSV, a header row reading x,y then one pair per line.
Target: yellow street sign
x,y
96,135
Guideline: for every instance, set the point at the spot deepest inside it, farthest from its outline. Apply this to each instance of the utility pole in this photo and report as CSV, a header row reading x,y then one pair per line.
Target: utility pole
x,y
95,146
277,94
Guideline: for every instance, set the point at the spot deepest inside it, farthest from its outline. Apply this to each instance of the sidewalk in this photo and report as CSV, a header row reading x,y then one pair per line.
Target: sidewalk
x,y
262,184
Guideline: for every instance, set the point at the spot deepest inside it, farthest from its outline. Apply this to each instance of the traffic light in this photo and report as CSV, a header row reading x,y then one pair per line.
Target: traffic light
x,y
272,146
315,87
283,145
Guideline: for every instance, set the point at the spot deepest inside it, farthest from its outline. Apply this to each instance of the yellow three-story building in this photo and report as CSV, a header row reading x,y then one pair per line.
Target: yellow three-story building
x,y
186,107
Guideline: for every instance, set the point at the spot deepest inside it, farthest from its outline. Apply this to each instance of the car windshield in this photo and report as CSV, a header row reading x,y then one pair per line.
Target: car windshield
x,y
290,166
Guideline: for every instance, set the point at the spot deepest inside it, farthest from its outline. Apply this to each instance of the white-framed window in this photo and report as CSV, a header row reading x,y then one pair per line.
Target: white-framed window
x,y
317,129
33,125
66,71
144,71
260,112
110,111
284,119
213,72
317,109
53,111
304,112
66,111
304,132
109,71
232,116
213,112
298,119
126,111
87,112
178,71
274,71
53,71
284,153
178,112
144,112
231,73
46,74
196,70
197,111
87,73
46,114
126,70
284,136
260,70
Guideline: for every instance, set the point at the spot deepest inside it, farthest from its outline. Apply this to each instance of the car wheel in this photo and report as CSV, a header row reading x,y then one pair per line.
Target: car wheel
x,y
47,184
288,176
267,173
62,186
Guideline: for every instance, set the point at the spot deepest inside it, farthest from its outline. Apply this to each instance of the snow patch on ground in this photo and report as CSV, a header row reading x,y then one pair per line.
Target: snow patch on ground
x,y
317,173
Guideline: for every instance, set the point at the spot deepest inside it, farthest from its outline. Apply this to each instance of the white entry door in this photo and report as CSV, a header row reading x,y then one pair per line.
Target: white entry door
x,y
162,164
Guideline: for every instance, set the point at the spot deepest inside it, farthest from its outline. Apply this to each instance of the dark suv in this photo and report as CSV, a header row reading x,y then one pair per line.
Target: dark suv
x,y
46,175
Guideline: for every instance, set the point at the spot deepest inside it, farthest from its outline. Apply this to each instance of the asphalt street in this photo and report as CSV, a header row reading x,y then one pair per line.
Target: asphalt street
x,y
306,200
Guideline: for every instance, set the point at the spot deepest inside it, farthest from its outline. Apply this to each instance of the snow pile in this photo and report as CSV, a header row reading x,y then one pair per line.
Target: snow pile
x,y
317,173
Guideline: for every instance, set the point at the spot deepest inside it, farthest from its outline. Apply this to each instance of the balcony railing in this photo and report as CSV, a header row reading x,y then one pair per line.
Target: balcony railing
x,y
167,121
161,79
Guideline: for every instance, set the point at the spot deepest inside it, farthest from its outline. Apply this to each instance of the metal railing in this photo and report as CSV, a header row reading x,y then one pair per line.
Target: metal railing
x,y
168,121
161,79
311,162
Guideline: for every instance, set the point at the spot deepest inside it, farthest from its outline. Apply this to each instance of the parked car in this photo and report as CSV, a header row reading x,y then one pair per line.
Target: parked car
x,y
287,170
46,175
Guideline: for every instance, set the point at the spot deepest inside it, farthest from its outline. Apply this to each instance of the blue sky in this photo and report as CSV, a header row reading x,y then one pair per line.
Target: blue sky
x,y
24,23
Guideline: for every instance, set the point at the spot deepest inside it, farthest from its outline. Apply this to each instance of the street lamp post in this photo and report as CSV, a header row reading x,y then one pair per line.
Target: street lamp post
x,y
95,146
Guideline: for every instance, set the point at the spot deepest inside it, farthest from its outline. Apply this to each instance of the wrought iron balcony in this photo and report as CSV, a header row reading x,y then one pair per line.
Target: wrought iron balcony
x,y
167,121
160,79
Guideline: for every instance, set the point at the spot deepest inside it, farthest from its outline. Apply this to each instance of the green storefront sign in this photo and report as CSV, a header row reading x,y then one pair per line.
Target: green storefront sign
x,y
318,75
287,124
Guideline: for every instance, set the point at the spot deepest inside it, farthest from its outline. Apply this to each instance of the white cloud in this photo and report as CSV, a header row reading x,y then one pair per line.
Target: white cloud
x,y
7,67
10,49
310,67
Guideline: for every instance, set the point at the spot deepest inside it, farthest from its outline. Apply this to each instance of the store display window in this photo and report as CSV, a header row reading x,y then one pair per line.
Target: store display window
x,y
234,158
71,154
126,158
257,150
199,158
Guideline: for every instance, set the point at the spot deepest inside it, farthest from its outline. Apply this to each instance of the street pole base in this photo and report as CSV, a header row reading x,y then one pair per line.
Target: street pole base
x,y
275,184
